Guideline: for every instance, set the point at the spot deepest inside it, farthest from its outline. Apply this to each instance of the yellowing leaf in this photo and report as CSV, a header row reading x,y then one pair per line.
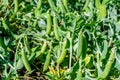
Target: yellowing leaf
x,y
101,12
89,61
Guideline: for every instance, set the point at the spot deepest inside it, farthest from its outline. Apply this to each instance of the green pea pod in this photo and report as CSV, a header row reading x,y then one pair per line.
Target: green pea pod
x,y
86,5
39,5
55,25
105,49
15,9
43,47
35,22
47,62
105,1
97,3
82,46
63,53
108,66
49,23
52,5
65,2
79,1
61,6
27,45
25,60
102,12
7,28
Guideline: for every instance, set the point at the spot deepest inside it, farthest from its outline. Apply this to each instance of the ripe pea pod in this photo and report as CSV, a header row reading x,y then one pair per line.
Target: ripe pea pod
x,y
49,23
82,46
52,5
105,49
7,28
27,45
86,5
43,47
39,5
105,1
97,3
47,61
63,53
55,25
79,1
61,6
108,66
37,10
25,60
35,23
15,9
65,2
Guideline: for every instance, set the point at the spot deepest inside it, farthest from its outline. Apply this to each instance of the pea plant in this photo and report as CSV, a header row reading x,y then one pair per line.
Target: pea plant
x,y
60,39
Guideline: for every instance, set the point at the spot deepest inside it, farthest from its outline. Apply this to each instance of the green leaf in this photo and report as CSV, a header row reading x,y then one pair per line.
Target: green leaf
x,y
19,64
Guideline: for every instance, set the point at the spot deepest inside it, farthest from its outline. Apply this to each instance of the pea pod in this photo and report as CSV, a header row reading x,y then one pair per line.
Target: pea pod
x,y
43,47
55,25
79,1
39,5
27,45
7,28
61,6
108,66
65,2
86,5
63,53
52,5
105,50
97,3
47,61
105,1
35,23
25,60
15,9
49,23
82,46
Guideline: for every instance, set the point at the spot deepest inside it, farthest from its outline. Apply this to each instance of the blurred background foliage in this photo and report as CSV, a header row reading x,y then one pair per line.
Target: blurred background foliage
x,y
23,25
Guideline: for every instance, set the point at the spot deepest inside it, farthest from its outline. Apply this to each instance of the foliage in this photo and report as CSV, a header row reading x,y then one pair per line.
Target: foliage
x,y
60,39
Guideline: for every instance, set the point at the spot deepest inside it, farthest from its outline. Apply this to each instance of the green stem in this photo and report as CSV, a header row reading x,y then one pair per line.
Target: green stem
x,y
15,9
